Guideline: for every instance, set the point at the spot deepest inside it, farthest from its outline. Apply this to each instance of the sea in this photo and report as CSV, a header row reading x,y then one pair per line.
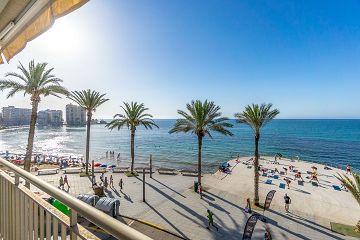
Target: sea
x,y
332,142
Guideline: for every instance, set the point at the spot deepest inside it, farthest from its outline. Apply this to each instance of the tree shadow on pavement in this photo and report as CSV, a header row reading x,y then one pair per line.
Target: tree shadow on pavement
x,y
168,187
310,224
166,220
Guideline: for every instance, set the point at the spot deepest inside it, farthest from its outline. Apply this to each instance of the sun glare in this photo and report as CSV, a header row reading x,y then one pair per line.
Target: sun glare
x,y
62,37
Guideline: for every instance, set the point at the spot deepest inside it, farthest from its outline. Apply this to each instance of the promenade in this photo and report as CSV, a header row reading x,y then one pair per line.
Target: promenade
x,y
172,204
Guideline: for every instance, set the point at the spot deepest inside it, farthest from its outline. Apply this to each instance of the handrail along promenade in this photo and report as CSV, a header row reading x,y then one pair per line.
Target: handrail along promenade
x,y
102,220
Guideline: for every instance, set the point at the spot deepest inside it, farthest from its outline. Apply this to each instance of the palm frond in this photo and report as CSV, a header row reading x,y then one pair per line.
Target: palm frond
x,y
88,99
35,80
201,118
352,185
257,116
134,115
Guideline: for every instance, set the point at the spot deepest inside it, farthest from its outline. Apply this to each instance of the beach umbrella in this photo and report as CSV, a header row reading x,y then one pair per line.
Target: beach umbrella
x,y
313,167
279,154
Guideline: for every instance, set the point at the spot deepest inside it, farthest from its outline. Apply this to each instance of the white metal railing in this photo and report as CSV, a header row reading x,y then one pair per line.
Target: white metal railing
x,y
24,215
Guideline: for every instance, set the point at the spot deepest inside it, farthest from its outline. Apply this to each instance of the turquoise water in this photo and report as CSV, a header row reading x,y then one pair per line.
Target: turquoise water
x,y
325,141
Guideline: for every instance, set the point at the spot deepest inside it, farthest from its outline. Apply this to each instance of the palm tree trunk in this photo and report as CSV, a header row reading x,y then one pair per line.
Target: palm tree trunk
x,y
132,150
256,171
30,144
199,158
88,123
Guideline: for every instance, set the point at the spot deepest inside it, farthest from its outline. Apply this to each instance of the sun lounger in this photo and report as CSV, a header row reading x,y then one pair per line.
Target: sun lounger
x,y
169,171
282,185
276,177
99,170
282,173
315,184
264,174
192,173
140,169
269,181
48,171
120,169
249,166
301,183
73,170
337,188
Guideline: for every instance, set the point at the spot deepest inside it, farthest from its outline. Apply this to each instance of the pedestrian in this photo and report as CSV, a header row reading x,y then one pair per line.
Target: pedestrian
x,y
199,190
287,200
106,182
107,154
288,181
348,169
118,156
267,233
102,177
121,184
61,183
111,181
66,181
93,180
210,217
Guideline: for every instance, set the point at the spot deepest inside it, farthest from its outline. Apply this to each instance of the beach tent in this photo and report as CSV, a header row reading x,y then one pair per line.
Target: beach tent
x,y
109,206
89,199
23,20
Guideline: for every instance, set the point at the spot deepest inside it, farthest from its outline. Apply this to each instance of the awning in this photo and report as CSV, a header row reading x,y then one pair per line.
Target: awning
x,y
23,20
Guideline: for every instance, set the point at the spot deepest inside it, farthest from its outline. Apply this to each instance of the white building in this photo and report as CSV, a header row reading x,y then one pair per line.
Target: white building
x,y
75,115
12,116
50,118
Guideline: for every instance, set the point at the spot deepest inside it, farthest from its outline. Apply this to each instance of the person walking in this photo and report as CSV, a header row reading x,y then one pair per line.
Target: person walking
x,y
102,177
267,235
66,181
288,181
210,216
111,181
61,183
107,154
287,200
121,184
106,183
200,190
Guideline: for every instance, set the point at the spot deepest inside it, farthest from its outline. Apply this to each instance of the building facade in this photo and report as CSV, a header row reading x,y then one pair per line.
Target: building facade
x,y
50,118
12,116
75,115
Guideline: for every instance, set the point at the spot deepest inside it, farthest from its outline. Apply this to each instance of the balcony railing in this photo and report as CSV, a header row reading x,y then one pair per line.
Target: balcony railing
x,y
25,215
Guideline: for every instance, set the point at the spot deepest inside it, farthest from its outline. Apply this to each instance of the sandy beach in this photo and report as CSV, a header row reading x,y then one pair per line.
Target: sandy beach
x,y
322,201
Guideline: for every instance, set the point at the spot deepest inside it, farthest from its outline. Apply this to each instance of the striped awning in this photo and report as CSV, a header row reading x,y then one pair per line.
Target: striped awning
x,y
23,20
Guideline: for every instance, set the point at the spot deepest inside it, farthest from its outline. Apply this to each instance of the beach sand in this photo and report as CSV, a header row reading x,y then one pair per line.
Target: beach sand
x,y
321,202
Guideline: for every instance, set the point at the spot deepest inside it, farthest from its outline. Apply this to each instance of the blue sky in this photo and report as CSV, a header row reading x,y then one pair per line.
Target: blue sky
x,y
302,56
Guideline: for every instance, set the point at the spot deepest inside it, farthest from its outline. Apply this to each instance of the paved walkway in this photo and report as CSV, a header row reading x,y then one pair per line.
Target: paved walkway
x,y
171,203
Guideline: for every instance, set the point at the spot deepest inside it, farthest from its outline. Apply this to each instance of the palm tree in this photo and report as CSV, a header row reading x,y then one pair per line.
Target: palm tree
x,y
201,119
90,100
256,117
36,81
135,115
353,187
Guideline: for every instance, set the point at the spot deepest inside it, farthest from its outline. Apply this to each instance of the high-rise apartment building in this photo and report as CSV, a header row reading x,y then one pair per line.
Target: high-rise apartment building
x,y
75,115
12,116
50,118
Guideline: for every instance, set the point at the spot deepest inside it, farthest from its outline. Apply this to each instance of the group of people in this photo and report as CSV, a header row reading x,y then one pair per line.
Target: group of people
x,y
107,182
62,181
111,154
